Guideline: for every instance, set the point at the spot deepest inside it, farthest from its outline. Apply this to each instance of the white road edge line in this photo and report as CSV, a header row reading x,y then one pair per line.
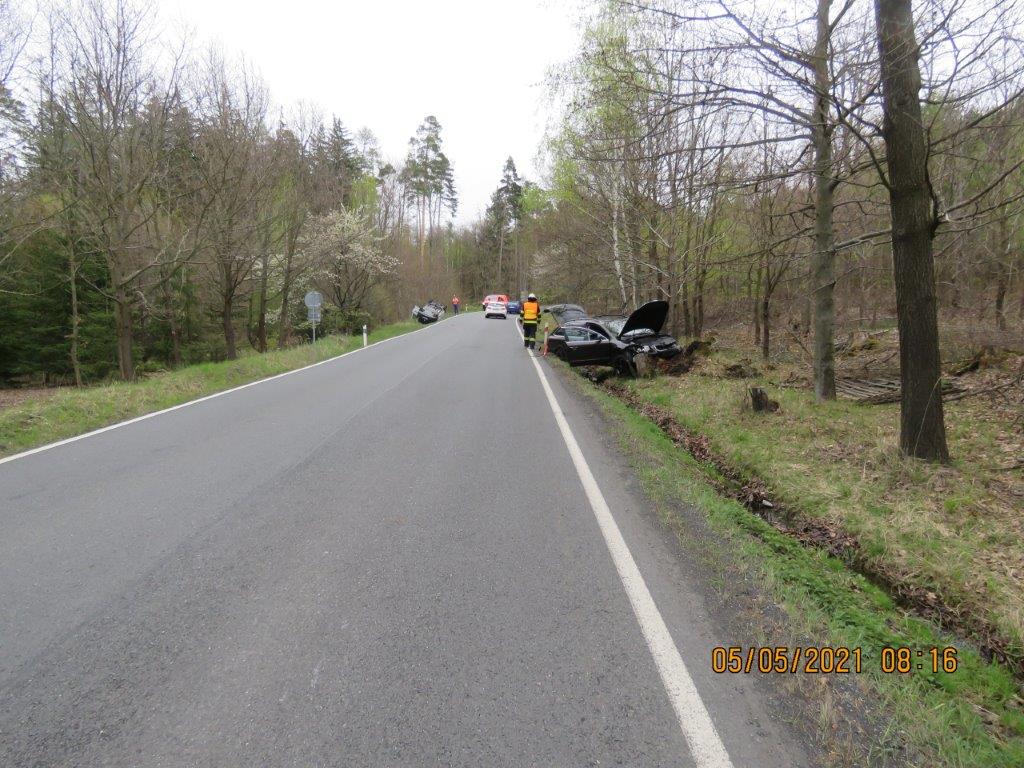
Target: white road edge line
x,y
705,745
203,399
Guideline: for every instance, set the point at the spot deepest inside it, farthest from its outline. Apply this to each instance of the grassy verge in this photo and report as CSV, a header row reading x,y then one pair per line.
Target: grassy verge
x,y
954,531
74,411
968,718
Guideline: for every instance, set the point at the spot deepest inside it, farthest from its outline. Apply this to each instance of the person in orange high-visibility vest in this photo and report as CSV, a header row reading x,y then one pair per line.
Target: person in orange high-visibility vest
x,y
530,315
456,304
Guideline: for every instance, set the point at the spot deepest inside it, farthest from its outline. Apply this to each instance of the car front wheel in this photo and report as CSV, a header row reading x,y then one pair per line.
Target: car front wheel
x,y
624,366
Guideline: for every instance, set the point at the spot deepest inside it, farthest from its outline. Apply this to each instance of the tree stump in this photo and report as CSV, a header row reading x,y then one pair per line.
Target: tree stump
x,y
760,401
645,368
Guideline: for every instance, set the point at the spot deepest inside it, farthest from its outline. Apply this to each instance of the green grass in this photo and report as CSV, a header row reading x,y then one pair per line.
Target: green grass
x,y
75,411
956,531
970,718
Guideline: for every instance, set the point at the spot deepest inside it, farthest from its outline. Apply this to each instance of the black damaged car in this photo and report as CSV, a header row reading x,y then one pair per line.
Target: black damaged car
x,y
615,341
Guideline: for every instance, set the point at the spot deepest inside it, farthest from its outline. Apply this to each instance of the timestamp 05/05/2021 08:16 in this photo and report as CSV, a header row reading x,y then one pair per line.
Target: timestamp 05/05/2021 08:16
x,y
784,659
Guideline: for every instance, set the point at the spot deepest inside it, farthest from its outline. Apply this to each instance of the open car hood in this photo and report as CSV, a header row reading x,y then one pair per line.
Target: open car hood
x,y
651,315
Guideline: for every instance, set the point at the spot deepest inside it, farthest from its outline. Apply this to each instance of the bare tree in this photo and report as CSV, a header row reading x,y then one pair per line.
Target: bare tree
x,y
232,151
116,113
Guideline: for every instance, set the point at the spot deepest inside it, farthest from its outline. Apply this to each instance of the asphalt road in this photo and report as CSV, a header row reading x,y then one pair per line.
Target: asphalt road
x,y
385,560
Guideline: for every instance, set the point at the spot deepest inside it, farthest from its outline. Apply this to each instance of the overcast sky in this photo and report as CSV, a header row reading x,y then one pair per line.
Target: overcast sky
x,y
478,65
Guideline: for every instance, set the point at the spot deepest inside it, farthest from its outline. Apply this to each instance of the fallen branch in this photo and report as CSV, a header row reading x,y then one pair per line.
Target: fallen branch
x,y
972,392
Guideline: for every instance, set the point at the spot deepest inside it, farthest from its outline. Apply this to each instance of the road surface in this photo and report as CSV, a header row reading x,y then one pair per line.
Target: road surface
x,y
389,559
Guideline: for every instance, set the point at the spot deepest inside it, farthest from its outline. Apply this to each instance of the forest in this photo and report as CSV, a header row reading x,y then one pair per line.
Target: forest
x,y
790,173
158,208
782,173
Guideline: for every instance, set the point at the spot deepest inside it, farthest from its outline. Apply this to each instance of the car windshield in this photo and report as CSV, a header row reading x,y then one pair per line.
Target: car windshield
x,y
615,325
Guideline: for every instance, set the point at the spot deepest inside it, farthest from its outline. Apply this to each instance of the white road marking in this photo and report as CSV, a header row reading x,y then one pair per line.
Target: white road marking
x,y
145,416
705,745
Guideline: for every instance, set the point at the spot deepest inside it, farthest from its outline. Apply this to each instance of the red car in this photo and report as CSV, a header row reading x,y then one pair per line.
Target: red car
x,y
492,298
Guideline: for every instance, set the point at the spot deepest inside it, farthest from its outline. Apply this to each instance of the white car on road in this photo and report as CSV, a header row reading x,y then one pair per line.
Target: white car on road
x,y
496,309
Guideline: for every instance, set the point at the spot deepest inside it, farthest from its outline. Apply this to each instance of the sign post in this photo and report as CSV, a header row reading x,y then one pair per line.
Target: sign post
x,y
364,334
314,316
314,309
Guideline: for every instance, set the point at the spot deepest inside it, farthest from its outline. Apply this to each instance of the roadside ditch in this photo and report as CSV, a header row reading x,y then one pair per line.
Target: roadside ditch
x,y
755,495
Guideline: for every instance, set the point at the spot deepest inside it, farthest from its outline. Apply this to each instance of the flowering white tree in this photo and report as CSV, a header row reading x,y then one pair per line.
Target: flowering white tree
x,y
345,248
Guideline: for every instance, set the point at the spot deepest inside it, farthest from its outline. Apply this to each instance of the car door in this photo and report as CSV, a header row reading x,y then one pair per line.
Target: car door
x,y
603,349
557,345
577,340
585,346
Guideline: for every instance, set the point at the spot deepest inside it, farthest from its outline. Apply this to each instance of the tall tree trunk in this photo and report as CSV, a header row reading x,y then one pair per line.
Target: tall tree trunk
x,y
423,233
957,297
123,321
766,297
261,306
922,424
284,329
755,302
699,283
1020,279
862,291
1001,299
657,290
125,362
1003,267
807,305
172,321
187,330
616,256
227,312
515,260
167,296
631,251
501,252
684,285
76,365
671,250
824,262
684,295
634,268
